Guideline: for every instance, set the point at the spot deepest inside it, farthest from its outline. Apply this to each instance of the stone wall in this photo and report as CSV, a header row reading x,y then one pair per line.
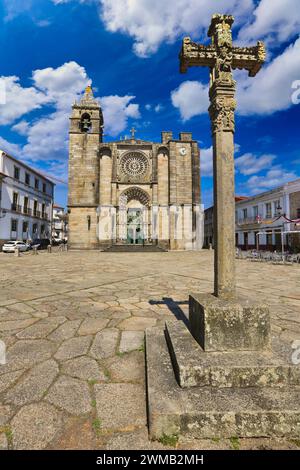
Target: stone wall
x,y
83,229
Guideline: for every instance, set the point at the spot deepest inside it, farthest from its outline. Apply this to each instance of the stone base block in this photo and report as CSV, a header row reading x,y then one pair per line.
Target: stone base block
x,y
195,367
210,412
221,325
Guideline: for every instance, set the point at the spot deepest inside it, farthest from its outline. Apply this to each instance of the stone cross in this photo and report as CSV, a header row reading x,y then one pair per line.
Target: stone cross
x,y
222,57
133,131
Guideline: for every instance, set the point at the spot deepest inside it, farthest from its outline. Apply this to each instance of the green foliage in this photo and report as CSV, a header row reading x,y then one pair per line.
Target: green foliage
x,y
92,381
96,425
169,440
235,443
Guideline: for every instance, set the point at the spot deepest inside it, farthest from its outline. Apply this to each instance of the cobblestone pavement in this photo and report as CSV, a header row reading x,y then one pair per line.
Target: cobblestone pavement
x,y
73,324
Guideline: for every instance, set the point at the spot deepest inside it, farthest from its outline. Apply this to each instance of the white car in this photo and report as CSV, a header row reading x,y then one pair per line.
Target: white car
x,y
9,247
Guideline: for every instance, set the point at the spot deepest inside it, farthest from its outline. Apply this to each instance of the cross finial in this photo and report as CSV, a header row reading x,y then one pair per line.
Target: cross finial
x,y
133,131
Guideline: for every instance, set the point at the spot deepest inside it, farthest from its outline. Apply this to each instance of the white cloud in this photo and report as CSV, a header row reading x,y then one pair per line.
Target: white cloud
x,y
249,164
271,90
148,107
152,22
10,148
206,161
274,20
22,127
47,137
19,100
274,177
62,85
14,8
191,98
116,111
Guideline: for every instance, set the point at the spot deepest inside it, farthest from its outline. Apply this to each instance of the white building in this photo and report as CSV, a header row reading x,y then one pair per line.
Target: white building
x,y
26,200
259,213
59,223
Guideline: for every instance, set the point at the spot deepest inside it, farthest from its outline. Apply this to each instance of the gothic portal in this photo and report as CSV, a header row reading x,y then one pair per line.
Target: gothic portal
x,y
131,191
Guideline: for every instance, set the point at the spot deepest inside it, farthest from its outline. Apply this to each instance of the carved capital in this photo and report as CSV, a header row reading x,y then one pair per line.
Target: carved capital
x,y
221,113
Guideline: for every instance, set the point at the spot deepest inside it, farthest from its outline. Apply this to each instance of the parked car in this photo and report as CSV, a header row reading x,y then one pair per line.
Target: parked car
x,y
9,247
41,243
57,241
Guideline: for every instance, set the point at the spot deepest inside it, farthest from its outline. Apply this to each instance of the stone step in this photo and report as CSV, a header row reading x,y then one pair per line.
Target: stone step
x,y
210,412
195,367
134,249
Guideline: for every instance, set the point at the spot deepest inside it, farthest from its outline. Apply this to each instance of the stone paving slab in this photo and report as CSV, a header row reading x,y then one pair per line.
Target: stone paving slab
x,y
41,329
83,368
107,301
73,347
120,406
35,426
71,395
105,343
131,340
33,386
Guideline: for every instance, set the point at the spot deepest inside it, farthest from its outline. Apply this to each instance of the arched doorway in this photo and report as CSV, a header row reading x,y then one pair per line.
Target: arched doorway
x,y
134,216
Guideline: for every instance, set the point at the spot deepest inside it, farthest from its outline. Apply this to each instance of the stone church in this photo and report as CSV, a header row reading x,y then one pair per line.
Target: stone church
x,y
131,191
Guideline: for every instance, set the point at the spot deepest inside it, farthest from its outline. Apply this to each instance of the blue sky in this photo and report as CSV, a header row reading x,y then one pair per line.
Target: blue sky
x,y
128,49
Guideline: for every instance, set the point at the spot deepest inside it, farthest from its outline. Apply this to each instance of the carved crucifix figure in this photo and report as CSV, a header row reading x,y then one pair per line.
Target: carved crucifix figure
x,y
221,57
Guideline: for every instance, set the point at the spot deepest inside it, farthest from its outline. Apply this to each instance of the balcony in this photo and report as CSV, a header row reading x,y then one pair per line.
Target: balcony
x,y
36,214
250,220
27,211
16,207
45,216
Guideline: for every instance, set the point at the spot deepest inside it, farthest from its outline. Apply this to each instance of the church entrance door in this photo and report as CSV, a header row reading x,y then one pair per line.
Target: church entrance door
x,y
135,231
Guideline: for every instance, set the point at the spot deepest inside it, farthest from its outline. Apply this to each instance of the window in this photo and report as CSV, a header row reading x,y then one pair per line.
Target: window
x,y
25,227
14,225
268,210
14,205
245,213
17,173
35,207
44,187
255,211
269,239
298,213
277,208
36,183
27,178
43,210
42,229
34,228
25,204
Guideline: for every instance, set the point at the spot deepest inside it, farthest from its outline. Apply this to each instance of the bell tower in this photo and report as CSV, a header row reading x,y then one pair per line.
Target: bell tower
x,y
86,133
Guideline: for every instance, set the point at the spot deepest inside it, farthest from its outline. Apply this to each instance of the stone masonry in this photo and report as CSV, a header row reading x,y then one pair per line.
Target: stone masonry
x,y
106,180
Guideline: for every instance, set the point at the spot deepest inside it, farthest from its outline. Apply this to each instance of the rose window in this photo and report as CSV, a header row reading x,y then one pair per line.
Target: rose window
x,y
134,164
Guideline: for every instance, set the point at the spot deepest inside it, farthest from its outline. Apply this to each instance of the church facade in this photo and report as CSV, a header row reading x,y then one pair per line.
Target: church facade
x,y
131,191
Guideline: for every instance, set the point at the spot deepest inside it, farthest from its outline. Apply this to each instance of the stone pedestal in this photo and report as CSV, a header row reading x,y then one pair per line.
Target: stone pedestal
x,y
222,325
219,394
223,376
